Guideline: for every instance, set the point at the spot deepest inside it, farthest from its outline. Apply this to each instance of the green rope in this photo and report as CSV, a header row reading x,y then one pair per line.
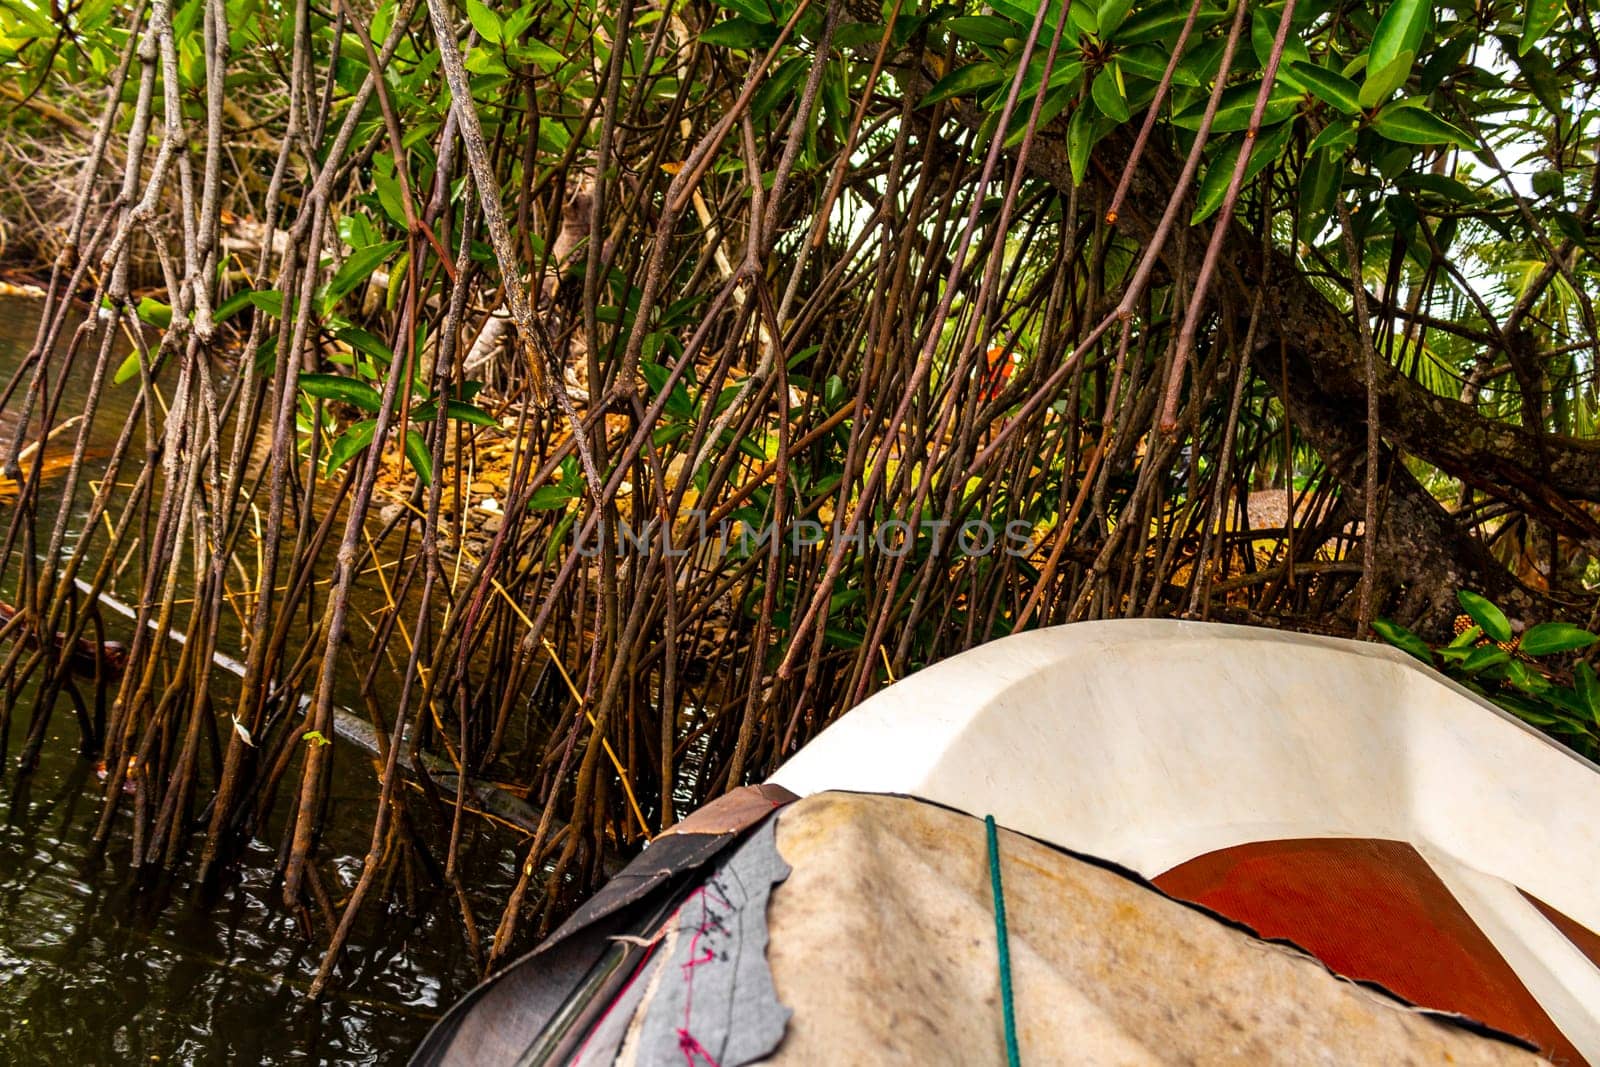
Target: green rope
x,y
1013,1057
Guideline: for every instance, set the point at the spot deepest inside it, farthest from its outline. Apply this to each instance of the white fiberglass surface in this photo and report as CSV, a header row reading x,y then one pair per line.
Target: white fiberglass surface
x,y
1150,742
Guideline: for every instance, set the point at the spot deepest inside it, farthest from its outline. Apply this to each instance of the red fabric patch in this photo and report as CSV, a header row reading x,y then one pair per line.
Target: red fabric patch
x,y
1372,910
1586,940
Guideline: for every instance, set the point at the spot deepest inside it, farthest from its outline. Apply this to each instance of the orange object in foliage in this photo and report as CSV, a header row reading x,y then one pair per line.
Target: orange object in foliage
x,y
999,364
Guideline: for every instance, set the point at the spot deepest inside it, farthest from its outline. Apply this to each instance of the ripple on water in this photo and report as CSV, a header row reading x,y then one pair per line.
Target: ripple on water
x,y
96,969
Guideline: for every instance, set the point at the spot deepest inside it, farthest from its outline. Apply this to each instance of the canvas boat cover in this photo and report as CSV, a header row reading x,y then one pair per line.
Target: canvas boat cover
x,y
859,928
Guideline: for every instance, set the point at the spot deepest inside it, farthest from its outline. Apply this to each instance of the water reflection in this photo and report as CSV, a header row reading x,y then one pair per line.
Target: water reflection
x,y
98,967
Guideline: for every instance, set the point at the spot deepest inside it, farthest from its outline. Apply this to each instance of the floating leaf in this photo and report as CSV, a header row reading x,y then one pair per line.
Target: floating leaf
x,y
1485,614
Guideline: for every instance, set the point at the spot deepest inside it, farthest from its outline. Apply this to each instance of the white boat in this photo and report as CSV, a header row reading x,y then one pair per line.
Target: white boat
x,y
1335,794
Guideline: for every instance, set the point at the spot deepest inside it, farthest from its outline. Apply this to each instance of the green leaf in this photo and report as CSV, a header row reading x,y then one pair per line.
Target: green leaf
x,y
417,453
963,81
486,22
154,312
678,403
1587,687
268,301
536,51
455,409
1236,106
1409,122
127,370
1320,180
1150,64
1440,185
754,10
1081,15
1022,14
349,444
739,33
1485,614
358,267
345,390
1484,657
1548,638
779,86
988,30
858,35
1399,32
1163,24
1381,82
1220,172
1537,20
1338,134
1108,96
233,305
550,497
1055,102
1403,639
1329,86
1110,17
1080,139
1263,31
1526,678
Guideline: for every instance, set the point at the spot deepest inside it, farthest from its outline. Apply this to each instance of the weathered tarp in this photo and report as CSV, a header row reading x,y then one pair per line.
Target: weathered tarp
x,y
883,946
879,947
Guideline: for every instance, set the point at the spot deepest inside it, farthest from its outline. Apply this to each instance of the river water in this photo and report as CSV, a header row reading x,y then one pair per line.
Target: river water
x,y
96,967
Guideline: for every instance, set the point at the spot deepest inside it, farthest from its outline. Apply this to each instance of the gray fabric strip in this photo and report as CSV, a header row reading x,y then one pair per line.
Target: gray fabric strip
x,y
713,1003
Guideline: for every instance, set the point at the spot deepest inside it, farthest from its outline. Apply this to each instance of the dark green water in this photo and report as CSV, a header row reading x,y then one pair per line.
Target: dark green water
x,y
98,968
